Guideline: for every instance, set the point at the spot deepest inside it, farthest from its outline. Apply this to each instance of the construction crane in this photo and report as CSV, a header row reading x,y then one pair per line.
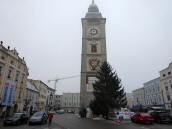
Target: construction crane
x,y
57,79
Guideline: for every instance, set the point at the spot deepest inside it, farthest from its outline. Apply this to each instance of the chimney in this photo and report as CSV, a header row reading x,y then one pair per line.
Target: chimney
x,y
1,42
8,47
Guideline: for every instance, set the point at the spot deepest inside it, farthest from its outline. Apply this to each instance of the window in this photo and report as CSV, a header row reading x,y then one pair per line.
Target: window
x,y
19,66
2,57
169,73
168,97
163,75
166,88
9,73
0,70
17,76
93,48
12,62
22,79
165,83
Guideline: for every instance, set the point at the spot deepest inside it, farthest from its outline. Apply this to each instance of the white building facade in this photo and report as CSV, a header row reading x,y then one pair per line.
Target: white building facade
x,y
32,98
58,102
153,94
71,102
166,85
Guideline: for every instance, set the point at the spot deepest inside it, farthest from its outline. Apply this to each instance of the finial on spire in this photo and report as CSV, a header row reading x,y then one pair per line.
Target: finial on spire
x,y
92,1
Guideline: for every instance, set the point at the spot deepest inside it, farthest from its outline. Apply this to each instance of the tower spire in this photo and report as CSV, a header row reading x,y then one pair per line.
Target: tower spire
x,y
92,1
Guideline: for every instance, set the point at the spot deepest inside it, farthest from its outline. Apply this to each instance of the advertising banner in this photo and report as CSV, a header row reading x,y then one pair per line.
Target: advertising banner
x,y
9,92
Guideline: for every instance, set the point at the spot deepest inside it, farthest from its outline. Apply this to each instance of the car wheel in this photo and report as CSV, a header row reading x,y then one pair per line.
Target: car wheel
x,y
18,123
159,121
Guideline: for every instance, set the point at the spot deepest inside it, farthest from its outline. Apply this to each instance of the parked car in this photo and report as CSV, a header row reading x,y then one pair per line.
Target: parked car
x,y
16,119
170,117
142,118
38,118
60,111
160,116
124,115
70,111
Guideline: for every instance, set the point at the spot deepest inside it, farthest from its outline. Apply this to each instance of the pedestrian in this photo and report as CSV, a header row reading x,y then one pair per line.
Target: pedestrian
x,y
119,118
50,118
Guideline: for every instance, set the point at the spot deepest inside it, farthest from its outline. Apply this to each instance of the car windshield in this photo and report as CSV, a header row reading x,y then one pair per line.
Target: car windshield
x,y
37,114
16,115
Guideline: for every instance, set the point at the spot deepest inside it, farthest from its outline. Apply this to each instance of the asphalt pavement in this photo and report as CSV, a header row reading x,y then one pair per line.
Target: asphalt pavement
x,y
71,121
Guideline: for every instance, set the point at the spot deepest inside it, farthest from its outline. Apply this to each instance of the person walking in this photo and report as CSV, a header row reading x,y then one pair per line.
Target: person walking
x,y
119,118
50,118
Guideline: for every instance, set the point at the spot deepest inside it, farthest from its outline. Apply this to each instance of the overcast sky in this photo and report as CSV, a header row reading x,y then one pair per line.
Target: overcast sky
x,y
48,34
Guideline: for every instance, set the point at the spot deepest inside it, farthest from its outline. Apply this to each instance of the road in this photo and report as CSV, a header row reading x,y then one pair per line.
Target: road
x,y
71,121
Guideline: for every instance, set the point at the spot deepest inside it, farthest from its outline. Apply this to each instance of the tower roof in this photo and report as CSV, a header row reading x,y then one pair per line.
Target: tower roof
x,y
93,11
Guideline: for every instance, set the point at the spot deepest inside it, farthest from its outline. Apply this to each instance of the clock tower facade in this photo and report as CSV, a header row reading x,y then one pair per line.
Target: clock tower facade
x,y
93,51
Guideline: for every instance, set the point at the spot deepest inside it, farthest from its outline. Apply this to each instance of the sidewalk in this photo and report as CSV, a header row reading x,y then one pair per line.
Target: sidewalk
x,y
115,120
1,122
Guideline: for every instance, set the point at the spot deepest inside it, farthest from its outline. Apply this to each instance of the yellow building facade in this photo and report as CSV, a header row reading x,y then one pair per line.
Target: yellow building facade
x,y
13,77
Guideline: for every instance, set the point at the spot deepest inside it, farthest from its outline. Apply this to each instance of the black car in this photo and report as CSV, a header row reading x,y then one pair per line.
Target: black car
x,y
161,116
38,118
16,119
170,117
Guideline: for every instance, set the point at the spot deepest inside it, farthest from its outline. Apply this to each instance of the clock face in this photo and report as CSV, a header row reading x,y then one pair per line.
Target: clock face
x,y
93,31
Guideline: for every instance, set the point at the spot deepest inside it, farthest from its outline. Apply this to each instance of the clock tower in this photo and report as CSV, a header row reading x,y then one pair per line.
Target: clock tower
x,y
93,51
